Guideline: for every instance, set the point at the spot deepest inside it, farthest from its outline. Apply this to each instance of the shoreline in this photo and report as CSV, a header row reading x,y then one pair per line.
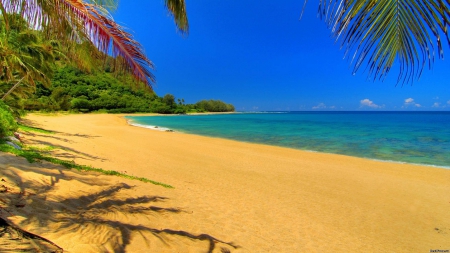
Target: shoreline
x,y
165,129
244,197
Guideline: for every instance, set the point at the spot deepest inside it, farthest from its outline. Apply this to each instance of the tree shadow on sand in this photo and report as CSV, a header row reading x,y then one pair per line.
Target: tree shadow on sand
x,y
100,213
69,153
31,123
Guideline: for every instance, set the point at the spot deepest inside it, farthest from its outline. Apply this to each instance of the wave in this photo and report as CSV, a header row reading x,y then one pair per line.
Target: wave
x,y
401,162
157,128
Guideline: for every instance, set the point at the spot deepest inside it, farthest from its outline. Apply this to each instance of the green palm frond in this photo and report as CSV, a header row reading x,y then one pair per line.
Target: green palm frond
x,y
377,33
178,9
110,5
24,56
84,56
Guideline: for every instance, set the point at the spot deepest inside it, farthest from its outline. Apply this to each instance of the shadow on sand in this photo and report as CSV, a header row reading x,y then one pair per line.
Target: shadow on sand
x,y
31,123
95,211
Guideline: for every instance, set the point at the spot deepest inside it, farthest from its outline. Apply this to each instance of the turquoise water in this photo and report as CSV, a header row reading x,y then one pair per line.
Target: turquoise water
x,y
411,137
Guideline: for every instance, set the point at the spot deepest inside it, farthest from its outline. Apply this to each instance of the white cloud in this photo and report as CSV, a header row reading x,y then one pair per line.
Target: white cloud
x,y
436,98
409,101
369,103
319,106
436,104
448,102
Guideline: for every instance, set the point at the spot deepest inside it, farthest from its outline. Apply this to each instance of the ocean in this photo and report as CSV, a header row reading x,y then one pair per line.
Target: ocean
x,y
407,137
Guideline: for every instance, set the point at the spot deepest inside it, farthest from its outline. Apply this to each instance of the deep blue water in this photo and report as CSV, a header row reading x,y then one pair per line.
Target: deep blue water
x,y
412,137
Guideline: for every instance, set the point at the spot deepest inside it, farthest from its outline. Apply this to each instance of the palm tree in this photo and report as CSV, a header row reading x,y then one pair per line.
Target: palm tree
x,y
25,57
78,21
380,32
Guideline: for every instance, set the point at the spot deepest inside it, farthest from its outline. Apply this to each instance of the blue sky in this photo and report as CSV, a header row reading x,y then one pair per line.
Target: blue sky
x,y
259,56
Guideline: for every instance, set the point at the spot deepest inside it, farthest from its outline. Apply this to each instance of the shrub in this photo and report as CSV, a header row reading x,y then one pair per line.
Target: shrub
x,y
214,106
8,124
81,103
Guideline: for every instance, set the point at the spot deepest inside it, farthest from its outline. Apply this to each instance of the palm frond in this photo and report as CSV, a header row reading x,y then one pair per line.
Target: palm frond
x,y
110,5
78,20
107,36
84,56
178,9
86,20
380,32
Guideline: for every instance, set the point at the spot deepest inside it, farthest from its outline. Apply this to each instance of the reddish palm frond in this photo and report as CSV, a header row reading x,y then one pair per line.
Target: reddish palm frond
x,y
86,21
108,36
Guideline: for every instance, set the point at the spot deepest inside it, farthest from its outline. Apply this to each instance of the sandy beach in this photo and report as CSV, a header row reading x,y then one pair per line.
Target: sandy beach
x,y
228,196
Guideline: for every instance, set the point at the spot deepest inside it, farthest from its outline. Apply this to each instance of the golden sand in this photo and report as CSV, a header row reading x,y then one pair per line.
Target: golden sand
x,y
229,196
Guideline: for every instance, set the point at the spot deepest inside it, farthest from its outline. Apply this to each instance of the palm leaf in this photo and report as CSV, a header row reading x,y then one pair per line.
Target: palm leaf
x,y
178,9
379,33
78,20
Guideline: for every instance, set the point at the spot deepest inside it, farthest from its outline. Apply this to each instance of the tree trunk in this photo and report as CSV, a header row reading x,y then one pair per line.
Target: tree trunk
x,y
13,88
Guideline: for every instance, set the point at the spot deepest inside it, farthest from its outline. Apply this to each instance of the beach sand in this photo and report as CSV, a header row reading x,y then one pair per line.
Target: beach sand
x,y
229,196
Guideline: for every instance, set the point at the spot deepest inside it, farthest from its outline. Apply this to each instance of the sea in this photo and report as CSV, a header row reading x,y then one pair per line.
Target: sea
x,y
405,137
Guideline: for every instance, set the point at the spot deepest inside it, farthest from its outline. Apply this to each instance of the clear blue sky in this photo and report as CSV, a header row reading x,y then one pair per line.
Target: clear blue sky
x,y
259,56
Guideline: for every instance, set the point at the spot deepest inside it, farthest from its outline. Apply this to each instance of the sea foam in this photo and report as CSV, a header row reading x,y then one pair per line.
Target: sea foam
x,y
157,128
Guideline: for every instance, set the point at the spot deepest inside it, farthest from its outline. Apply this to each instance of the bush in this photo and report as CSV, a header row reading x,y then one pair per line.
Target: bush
x,y
81,104
8,124
214,106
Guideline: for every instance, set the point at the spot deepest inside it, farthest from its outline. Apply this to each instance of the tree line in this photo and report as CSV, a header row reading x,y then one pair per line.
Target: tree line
x,y
73,89
38,73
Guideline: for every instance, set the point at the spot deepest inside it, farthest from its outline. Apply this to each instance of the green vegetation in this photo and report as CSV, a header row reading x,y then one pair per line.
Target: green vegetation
x,y
33,155
81,23
27,57
42,73
214,106
39,149
34,129
73,89
7,122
